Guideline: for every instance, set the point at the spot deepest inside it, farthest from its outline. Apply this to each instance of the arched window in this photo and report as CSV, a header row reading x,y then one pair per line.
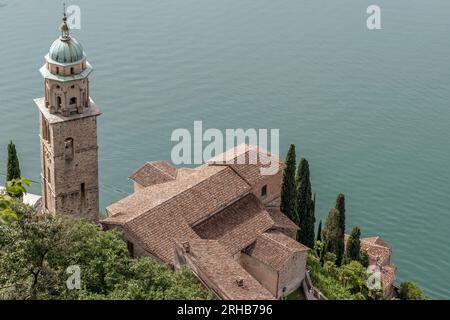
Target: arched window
x,y
58,102
73,101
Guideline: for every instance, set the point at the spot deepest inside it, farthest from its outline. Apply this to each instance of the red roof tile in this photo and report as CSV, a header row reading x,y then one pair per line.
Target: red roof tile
x,y
152,173
275,249
238,225
212,263
281,220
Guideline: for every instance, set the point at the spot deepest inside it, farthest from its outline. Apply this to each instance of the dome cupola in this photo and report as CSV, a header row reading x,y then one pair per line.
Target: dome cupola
x,y
66,49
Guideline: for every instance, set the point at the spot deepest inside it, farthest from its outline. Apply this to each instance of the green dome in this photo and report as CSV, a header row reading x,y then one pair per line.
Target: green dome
x,y
66,50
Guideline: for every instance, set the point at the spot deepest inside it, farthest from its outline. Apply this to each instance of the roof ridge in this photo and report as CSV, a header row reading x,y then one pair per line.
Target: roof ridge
x,y
174,197
239,175
277,242
159,169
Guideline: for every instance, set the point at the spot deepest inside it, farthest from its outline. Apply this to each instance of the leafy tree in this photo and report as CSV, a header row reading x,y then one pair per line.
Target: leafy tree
x,y
410,291
353,249
14,188
354,277
305,204
330,286
35,251
340,207
12,165
340,283
319,249
288,188
364,258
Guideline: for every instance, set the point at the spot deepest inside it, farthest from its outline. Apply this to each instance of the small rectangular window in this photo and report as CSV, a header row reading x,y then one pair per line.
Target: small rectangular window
x,y
83,194
264,191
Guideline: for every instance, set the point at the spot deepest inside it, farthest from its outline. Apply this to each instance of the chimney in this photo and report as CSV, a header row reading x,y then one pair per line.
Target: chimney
x,y
240,282
186,247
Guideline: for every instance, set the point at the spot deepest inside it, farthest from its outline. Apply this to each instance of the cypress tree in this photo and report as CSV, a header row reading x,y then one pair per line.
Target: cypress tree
x,y
330,233
319,232
12,164
353,249
364,258
340,207
319,238
305,204
288,188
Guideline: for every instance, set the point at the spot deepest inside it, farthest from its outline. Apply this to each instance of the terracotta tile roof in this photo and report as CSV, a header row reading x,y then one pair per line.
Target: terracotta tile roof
x,y
156,232
377,250
209,196
238,225
274,249
281,221
150,197
158,214
214,198
247,161
388,276
155,172
375,241
212,263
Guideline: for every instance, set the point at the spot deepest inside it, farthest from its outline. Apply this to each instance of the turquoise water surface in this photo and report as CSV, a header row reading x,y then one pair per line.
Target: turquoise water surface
x,y
369,109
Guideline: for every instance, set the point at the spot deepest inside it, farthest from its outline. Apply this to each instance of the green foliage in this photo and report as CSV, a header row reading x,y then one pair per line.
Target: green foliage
x,y
14,189
328,284
340,207
35,251
364,258
353,250
346,282
305,205
354,277
288,187
12,164
410,291
319,232
331,232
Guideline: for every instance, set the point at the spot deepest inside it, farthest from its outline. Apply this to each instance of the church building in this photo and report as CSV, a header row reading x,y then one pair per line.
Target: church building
x,y
222,219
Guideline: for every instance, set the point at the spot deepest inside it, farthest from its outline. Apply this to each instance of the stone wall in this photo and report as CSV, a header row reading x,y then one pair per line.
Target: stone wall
x,y
293,273
69,168
273,185
265,275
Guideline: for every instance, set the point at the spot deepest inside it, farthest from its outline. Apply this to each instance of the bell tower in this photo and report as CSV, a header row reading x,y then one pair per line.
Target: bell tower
x,y
68,131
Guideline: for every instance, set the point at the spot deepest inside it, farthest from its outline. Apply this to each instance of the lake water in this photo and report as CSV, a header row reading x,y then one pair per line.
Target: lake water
x,y
369,109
